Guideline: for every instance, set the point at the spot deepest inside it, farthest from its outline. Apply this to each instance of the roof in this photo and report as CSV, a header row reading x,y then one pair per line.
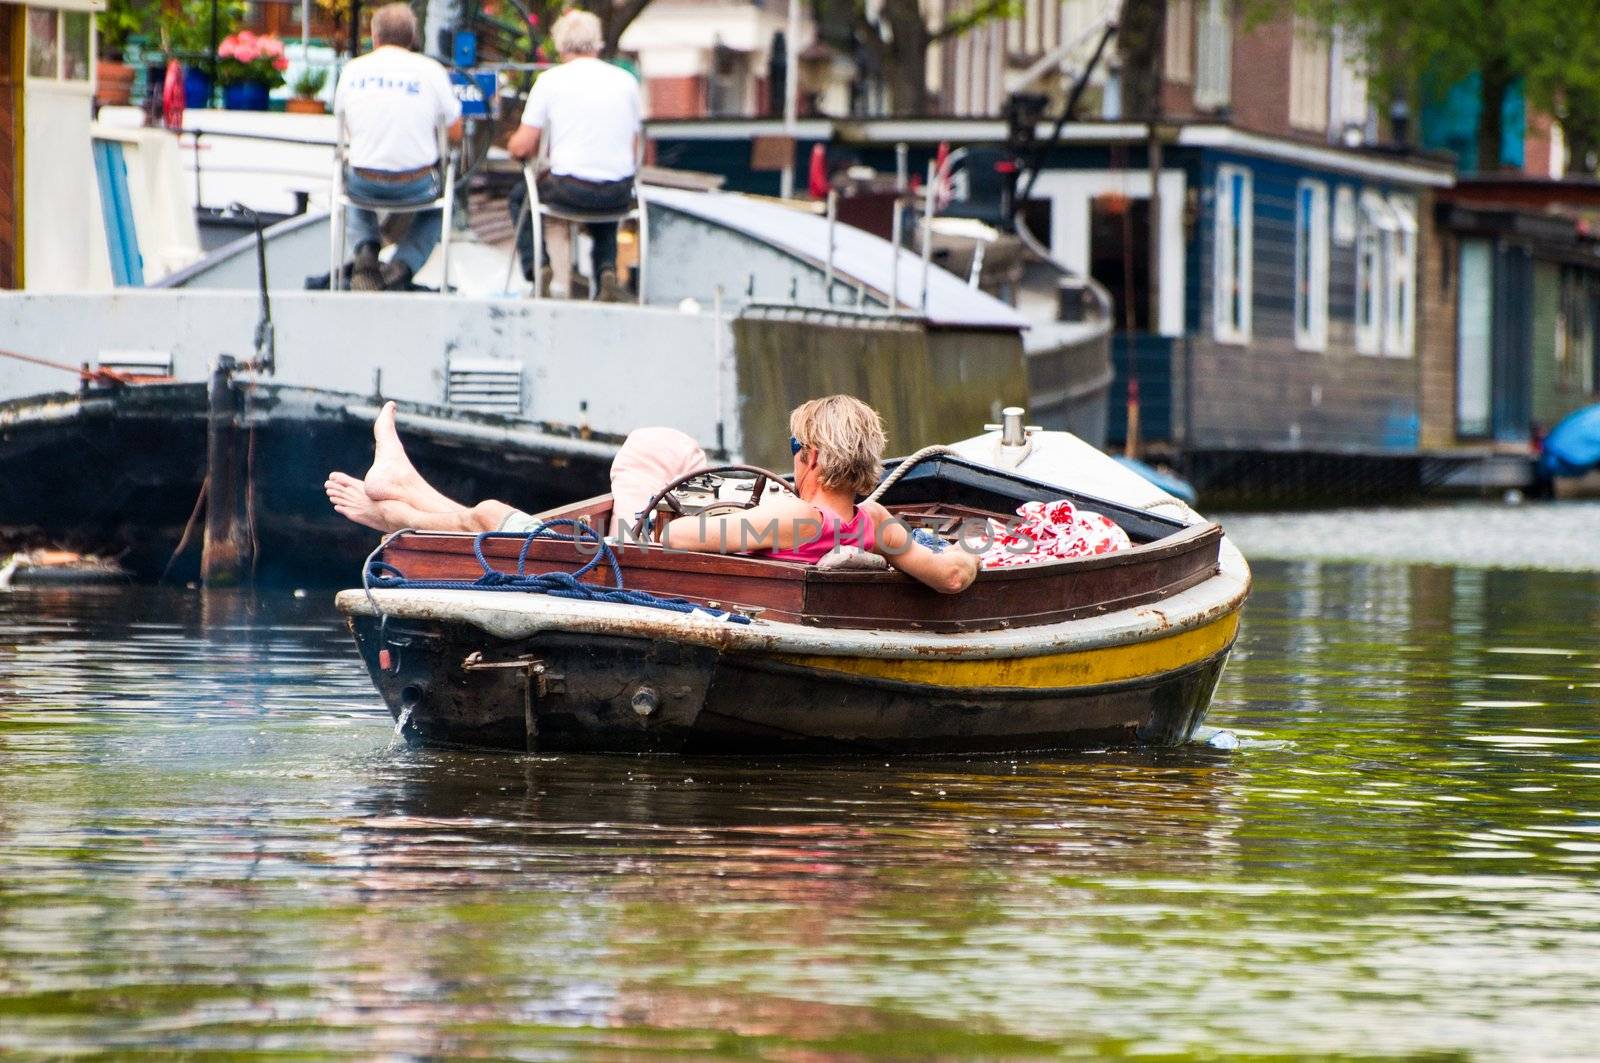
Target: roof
x,y
858,256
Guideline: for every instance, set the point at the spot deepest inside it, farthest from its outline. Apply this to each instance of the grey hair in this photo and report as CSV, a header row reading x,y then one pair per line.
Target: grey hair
x,y
578,33
394,24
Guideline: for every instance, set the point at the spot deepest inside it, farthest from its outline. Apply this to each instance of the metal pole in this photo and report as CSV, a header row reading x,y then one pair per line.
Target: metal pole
x,y
211,100
901,174
894,258
1154,151
791,94
827,273
305,32
927,229
355,28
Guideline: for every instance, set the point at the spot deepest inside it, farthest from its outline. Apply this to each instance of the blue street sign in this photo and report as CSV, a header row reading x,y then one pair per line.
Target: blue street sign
x,y
474,91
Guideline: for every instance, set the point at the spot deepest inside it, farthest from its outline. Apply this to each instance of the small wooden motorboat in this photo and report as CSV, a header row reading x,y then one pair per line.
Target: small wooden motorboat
x,y
1122,648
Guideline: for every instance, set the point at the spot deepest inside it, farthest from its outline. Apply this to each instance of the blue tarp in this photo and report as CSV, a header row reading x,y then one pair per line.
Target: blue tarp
x,y
1573,447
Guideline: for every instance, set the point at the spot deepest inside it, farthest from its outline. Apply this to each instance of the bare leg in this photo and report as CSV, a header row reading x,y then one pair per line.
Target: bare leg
x,y
390,515
393,477
558,245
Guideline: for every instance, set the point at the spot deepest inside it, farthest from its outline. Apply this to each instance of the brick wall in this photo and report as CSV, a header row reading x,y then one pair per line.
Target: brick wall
x,y
677,97
1261,76
10,171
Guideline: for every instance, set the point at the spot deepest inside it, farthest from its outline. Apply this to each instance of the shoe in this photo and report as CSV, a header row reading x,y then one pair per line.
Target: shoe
x,y
396,277
546,274
364,275
610,290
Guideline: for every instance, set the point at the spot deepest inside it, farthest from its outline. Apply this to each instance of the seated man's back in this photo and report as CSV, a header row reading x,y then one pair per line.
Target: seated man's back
x,y
393,101
591,110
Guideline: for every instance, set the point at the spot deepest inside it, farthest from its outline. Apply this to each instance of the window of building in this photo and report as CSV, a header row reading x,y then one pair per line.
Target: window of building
x,y
60,45
1575,332
1344,216
1213,86
1474,332
1234,254
1311,266
1386,275
1308,77
1179,62
1400,278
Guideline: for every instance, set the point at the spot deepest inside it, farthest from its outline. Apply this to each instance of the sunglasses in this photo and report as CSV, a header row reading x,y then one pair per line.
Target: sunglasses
x,y
795,446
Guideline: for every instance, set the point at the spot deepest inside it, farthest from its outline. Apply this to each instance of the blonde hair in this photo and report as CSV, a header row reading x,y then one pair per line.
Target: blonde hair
x,y
578,33
394,24
847,437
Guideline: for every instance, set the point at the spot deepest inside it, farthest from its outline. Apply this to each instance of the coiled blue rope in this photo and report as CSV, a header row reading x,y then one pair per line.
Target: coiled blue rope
x,y
384,576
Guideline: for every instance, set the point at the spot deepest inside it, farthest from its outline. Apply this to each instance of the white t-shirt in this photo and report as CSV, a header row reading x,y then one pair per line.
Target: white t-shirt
x,y
590,111
393,102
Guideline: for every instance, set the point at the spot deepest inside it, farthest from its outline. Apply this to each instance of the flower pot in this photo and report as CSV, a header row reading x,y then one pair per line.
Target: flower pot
x,y
246,96
196,87
113,82
301,105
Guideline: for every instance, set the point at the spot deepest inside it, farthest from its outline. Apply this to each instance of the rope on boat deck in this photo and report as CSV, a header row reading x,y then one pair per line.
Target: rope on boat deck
x,y
384,576
905,466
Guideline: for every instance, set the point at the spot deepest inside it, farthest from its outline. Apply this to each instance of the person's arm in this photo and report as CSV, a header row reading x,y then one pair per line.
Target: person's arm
x,y
948,571
454,132
524,143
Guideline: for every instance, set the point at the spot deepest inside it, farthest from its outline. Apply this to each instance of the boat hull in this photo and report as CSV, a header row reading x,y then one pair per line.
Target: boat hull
x,y
451,683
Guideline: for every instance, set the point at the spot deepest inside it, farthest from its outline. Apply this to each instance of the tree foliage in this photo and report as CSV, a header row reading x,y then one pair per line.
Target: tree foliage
x,y
897,40
1551,46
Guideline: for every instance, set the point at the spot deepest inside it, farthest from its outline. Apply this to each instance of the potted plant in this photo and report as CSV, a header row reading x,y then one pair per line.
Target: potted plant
x,y
186,30
249,67
120,20
308,85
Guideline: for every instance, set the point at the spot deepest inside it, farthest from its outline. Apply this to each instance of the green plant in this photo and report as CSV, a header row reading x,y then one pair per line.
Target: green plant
x,y
310,82
186,30
120,20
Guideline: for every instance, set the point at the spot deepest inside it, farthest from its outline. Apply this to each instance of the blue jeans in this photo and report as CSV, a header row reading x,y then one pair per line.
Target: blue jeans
x,y
361,226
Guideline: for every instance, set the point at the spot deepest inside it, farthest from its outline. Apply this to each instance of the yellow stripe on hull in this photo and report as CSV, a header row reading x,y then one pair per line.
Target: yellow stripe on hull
x,y
1081,668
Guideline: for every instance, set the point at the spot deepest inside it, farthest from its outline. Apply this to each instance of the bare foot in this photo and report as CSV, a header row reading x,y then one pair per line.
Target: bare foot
x,y
351,501
393,477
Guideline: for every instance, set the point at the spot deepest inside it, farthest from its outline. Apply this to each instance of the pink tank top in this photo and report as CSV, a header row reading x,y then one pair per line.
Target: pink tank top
x,y
858,532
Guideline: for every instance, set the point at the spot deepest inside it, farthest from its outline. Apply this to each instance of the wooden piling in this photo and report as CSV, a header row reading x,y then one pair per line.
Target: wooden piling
x,y
226,556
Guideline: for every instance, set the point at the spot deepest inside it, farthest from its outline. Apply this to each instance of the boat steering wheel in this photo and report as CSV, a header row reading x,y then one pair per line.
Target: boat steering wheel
x,y
762,476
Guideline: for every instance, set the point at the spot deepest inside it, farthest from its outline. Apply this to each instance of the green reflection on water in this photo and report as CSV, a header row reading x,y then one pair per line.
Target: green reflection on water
x,y
209,846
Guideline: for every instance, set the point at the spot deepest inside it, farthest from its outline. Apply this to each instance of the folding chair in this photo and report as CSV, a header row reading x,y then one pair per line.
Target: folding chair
x,y
535,211
341,200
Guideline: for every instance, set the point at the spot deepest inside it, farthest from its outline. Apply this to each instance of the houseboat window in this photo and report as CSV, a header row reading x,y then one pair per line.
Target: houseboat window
x,y
75,45
1575,332
1344,216
1311,266
1119,255
1474,332
1213,85
1234,255
1400,273
1377,222
43,53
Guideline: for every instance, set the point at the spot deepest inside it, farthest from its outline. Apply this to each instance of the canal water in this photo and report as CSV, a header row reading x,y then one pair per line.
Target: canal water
x,y
212,844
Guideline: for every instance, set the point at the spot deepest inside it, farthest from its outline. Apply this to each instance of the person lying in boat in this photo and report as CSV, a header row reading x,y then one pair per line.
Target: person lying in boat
x,y
837,444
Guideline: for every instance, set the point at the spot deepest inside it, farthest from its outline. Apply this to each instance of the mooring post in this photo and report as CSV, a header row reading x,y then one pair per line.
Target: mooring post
x,y
226,556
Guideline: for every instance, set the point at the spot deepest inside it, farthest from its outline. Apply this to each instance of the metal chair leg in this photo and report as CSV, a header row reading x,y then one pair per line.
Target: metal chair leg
x,y
644,240
511,262
448,222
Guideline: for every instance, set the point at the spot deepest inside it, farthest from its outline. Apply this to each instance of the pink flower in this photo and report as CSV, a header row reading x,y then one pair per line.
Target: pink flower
x,y
247,53
225,50
281,63
245,36
533,20
270,46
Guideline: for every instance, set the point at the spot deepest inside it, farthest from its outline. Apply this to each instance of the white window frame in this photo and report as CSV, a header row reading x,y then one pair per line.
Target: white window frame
x,y
1375,221
1233,254
85,84
1400,279
1311,266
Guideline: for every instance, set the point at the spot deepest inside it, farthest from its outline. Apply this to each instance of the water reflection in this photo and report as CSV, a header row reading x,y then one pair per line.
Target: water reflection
x,y
209,842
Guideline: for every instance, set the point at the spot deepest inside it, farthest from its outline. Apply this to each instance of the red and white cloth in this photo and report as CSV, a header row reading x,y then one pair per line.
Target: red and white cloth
x,y
1053,531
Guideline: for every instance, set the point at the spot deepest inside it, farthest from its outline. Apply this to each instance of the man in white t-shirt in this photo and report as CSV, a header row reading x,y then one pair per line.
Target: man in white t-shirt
x,y
590,111
392,102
